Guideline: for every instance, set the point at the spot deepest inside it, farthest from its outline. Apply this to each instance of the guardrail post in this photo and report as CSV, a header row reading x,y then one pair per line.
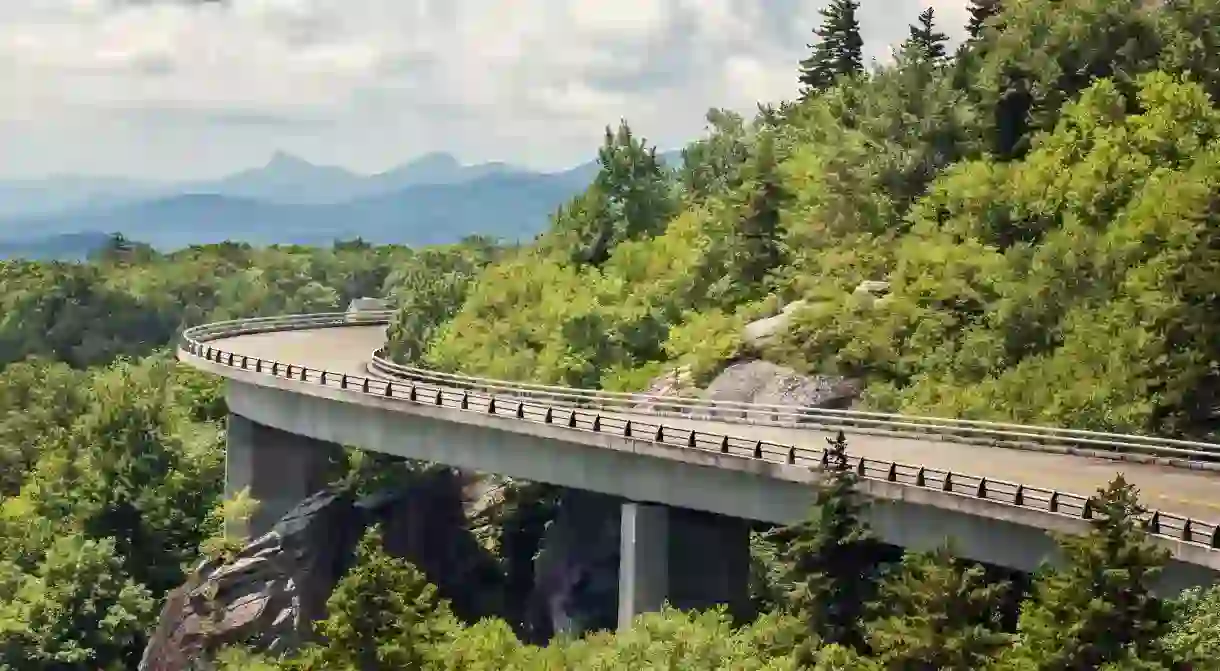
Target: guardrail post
x,y
947,485
1215,540
626,429
691,440
1018,497
919,477
465,400
724,445
1053,503
1086,511
892,475
1187,530
343,381
491,406
981,492
324,377
758,449
572,419
550,415
258,366
1153,525
520,410
303,373
365,386
860,467
245,362
660,436
597,423
440,398
792,454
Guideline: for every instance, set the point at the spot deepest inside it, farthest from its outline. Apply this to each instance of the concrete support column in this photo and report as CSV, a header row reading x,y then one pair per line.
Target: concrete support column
x,y
693,560
643,569
279,468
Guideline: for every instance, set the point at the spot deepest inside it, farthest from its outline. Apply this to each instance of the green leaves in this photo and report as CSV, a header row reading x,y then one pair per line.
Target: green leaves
x,y
383,614
1099,609
937,613
78,609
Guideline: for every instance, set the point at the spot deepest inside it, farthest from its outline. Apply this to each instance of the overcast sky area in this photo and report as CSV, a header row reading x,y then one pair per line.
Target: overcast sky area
x,y
158,88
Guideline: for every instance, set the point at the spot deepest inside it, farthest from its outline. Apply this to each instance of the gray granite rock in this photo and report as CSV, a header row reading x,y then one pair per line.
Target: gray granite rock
x,y
271,592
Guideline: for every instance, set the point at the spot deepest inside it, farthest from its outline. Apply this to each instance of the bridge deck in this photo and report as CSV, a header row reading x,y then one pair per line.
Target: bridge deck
x,y
1185,492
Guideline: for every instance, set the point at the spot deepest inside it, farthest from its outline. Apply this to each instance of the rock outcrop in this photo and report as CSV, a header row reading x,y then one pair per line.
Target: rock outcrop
x,y
266,596
272,591
761,332
765,383
576,571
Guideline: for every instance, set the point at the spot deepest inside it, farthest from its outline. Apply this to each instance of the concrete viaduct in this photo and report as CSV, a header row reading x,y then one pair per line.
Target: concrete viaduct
x,y
692,474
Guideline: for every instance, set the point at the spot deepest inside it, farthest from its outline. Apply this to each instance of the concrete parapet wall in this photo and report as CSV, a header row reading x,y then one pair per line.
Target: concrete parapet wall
x,y
641,471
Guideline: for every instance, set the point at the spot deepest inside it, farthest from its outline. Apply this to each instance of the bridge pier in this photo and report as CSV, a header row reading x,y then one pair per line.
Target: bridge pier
x,y
692,559
280,469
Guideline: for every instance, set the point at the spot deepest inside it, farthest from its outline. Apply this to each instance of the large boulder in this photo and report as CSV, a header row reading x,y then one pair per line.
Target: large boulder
x,y
271,592
758,334
765,383
266,596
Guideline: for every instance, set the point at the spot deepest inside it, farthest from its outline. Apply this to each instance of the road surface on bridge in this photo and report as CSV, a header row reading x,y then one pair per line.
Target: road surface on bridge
x,y
1174,490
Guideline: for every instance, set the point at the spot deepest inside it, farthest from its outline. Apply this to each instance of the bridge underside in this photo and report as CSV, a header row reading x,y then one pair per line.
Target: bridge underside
x,y
687,541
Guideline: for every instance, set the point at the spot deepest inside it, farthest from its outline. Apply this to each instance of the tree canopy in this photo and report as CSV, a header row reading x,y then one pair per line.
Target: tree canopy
x,y
1040,202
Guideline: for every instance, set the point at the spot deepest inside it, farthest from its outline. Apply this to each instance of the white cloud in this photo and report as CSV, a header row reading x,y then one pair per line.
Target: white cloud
x,y
167,88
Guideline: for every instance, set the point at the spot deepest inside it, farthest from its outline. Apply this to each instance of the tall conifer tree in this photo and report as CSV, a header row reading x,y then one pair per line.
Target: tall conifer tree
x,y
924,39
1099,609
980,11
839,51
830,559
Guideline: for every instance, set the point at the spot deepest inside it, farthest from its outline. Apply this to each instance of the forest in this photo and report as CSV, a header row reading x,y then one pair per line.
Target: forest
x,y
1041,201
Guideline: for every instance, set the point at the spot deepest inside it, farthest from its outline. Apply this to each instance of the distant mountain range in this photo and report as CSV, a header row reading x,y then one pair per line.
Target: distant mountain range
x,y
431,200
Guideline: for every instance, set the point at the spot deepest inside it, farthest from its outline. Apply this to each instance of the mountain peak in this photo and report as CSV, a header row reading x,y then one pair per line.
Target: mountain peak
x,y
435,160
282,159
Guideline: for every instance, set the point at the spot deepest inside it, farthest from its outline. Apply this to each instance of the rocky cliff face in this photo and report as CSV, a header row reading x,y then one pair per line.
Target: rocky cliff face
x,y
269,595
266,596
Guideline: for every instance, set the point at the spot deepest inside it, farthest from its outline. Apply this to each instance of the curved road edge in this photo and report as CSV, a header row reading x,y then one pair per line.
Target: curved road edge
x,y
1189,539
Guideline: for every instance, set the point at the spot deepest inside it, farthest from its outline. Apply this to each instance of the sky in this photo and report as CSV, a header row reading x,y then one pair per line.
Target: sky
x,y
173,90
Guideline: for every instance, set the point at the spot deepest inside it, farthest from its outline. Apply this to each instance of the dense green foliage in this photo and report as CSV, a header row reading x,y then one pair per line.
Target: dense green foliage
x,y
1041,205
1045,191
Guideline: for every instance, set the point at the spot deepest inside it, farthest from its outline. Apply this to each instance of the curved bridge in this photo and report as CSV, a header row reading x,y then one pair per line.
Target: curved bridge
x,y
323,377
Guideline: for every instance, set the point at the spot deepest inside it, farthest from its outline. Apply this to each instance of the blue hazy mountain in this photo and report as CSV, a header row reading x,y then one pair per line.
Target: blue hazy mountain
x,y
66,247
431,200
63,193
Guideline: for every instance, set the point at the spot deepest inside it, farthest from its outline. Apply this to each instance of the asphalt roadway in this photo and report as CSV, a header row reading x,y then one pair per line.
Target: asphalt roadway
x,y
1175,490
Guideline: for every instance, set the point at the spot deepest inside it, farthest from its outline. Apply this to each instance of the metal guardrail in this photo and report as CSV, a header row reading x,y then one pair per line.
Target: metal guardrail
x,y
995,434
437,391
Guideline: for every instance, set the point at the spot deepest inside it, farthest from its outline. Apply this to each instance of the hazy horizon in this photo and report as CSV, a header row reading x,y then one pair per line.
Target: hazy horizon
x,y
162,90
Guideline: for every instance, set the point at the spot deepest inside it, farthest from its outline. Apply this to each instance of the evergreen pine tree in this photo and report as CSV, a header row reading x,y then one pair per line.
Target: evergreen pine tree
x,y
980,11
759,224
830,559
1099,609
938,614
383,614
924,40
631,197
839,51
